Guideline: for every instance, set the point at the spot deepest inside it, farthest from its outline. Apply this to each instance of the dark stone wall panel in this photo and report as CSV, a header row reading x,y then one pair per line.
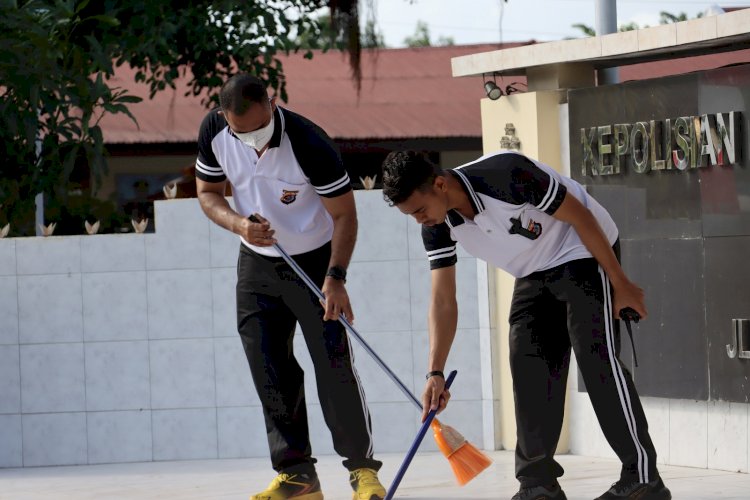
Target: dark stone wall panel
x,y
685,235
727,290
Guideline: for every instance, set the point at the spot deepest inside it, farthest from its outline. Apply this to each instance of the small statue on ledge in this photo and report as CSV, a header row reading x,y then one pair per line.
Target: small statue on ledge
x,y
509,140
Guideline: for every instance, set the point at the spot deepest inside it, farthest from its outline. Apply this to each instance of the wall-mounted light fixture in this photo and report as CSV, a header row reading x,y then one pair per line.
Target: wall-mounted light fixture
x,y
494,92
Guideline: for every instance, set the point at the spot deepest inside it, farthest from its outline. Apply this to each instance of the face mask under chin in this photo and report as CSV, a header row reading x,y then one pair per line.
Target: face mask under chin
x,y
257,139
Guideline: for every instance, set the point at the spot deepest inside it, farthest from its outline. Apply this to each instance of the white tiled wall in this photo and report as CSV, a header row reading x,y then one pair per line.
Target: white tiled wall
x,y
38,256
184,434
52,378
179,304
115,306
10,374
182,373
50,308
222,294
704,434
123,348
8,310
117,375
54,438
727,436
129,430
11,441
241,432
175,247
113,252
8,258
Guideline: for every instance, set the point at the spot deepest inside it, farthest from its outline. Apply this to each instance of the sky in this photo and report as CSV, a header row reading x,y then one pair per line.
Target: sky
x,y
480,21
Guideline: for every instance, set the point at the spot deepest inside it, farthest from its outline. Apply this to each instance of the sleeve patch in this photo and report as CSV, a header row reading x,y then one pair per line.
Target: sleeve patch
x,y
440,246
332,189
207,169
553,198
317,155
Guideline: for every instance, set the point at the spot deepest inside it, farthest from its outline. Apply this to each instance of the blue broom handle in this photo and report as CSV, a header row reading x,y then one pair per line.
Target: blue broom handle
x,y
415,445
312,286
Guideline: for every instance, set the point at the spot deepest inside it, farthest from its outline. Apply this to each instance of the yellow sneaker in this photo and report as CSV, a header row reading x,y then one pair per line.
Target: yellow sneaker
x,y
366,485
296,486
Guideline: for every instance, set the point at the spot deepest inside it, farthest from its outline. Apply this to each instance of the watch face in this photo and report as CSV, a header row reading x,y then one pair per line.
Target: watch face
x,y
336,273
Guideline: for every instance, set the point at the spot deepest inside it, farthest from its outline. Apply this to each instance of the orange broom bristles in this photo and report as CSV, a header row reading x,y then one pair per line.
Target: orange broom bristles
x,y
465,459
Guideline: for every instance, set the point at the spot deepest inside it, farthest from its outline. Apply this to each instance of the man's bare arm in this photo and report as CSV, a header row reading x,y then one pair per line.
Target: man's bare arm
x,y
217,208
344,214
442,322
626,293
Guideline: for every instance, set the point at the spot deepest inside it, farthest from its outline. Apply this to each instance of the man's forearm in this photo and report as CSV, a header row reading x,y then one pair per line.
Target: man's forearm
x,y
443,320
596,242
343,240
592,236
217,208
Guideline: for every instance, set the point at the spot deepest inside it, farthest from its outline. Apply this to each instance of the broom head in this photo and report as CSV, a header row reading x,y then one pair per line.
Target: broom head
x,y
465,459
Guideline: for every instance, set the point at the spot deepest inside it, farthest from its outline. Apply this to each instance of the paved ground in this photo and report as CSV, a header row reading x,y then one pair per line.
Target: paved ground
x,y
428,478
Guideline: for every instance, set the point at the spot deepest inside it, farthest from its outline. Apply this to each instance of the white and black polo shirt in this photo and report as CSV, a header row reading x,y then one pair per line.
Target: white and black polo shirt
x,y
514,198
285,184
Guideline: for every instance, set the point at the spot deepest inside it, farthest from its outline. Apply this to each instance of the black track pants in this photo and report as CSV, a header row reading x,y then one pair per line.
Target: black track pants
x,y
271,298
552,310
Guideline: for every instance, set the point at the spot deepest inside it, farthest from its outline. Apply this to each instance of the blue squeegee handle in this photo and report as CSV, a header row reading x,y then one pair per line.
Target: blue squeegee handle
x,y
312,286
415,445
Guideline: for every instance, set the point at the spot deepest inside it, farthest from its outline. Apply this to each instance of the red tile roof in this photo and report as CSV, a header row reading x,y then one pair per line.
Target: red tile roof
x,y
167,118
406,93
669,67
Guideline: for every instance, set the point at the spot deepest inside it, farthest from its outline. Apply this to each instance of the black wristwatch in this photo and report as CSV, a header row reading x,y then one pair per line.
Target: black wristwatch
x,y
337,273
435,373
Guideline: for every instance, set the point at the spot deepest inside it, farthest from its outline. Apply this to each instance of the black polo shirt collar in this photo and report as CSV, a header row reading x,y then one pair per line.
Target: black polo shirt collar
x,y
453,218
476,203
278,128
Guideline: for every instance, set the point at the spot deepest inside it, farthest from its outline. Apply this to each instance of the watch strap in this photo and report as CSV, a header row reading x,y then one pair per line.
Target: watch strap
x,y
337,273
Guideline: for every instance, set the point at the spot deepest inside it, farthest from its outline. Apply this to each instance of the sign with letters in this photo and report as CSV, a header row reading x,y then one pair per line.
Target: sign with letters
x,y
682,143
669,158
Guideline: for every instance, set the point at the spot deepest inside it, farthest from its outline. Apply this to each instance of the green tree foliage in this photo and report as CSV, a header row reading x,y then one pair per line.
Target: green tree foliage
x,y
445,41
664,18
325,38
669,18
52,95
585,29
57,56
208,40
630,27
421,37
372,38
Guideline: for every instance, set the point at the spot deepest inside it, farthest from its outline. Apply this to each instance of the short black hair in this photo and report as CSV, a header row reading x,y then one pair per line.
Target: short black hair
x,y
405,172
240,92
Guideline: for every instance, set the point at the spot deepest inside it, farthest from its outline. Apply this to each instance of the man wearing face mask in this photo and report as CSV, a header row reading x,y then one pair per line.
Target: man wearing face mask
x,y
287,172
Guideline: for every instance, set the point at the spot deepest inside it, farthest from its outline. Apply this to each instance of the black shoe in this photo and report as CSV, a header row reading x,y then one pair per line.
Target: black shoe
x,y
628,488
551,492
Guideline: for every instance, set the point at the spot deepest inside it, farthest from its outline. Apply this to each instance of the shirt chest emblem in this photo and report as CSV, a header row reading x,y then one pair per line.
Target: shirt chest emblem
x,y
532,230
288,197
